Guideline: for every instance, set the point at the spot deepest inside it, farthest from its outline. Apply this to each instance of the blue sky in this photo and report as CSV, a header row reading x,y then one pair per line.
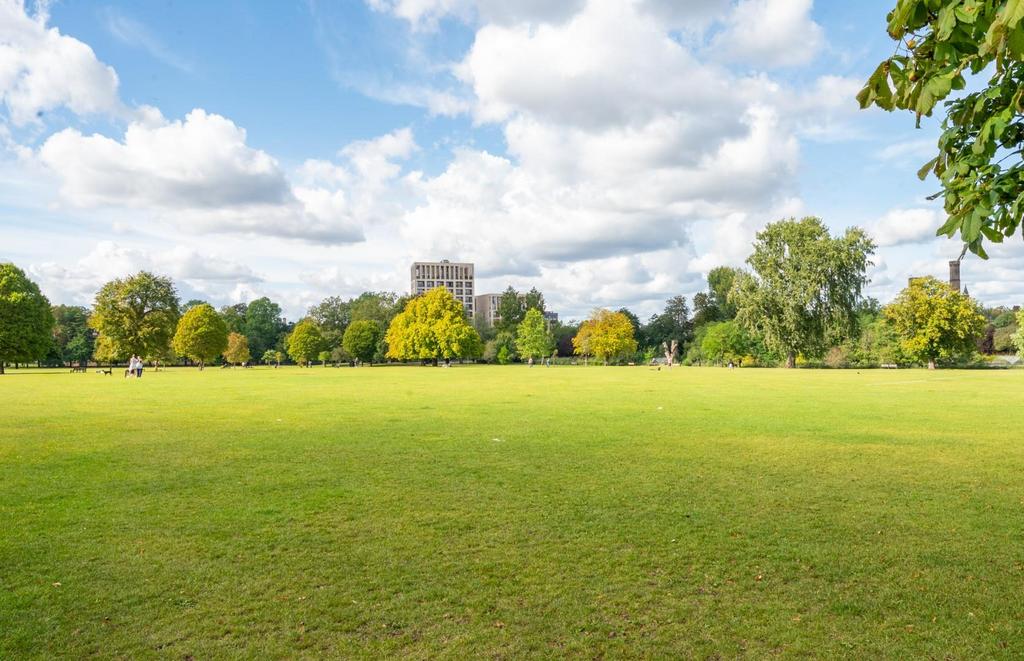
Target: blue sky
x,y
609,152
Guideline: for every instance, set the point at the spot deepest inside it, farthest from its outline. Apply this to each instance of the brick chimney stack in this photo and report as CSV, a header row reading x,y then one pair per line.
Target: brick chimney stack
x,y
954,274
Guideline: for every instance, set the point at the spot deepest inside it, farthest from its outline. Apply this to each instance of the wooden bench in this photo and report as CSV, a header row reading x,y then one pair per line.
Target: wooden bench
x,y
78,368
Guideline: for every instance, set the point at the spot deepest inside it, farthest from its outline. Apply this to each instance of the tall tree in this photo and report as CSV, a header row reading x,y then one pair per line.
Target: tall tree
x,y
305,342
934,321
533,300
606,335
333,315
672,324
1018,337
432,326
361,339
201,335
263,324
533,340
705,311
237,352
136,315
725,341
379,306
73,340
720,282
634,320
26,321
979,161
806,286
234,317
510,310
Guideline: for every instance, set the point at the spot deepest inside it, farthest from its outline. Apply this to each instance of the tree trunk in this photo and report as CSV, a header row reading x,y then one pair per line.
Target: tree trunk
x,y
790,360
200,366
2,365
931,363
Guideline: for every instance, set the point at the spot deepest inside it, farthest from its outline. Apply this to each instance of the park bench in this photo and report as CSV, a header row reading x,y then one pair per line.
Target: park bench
x,y
78,368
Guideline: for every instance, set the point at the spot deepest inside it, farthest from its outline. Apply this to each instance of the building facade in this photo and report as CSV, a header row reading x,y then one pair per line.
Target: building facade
x,y
457,278
487,307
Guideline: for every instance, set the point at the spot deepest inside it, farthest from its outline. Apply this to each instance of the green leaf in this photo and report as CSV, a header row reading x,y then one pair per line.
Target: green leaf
x,y
945,23
971,228
922,174
992,234
899,17
949,227
968,12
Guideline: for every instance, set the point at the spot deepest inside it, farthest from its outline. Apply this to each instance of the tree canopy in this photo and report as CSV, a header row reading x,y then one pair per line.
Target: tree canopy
x,y
201,335
606,335
432,326
263,324
237,352
136,315
1018,337
979,161
533,340
673,324
511,309
305,342
805,288
361,339
934,321
26,321
725,341
73,340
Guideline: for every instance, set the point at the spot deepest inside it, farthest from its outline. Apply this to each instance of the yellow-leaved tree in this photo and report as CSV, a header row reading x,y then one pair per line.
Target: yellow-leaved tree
x,y
606,335
432,327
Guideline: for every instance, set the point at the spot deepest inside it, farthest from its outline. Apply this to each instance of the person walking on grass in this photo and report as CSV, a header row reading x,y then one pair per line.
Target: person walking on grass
x,y
138,367
130,372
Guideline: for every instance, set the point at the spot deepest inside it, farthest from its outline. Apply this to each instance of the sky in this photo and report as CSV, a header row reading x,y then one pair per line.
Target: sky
x,y
608,152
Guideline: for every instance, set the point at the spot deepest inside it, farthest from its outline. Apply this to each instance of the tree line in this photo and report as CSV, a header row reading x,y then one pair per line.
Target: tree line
x,y
800,302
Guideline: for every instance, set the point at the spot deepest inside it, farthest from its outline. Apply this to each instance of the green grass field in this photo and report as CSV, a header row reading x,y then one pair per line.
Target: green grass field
x,y
512,512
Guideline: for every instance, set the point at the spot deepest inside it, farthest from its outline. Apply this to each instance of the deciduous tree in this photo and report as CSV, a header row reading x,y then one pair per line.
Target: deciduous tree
x,y
533,340
73,340
606,335
26,321
361,339
305,342
806,286
934,321
136,315
237,352
1018,337
432,326
263,324
201,335
725,341
979,163
511,310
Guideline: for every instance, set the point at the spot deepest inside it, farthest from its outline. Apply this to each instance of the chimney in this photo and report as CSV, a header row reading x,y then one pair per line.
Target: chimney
x,y
954,274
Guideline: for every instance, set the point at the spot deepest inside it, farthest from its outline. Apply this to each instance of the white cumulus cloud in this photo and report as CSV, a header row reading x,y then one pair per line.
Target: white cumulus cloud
x,y
42,69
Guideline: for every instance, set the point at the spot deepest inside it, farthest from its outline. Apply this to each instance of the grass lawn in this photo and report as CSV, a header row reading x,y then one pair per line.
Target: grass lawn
x,y
512,512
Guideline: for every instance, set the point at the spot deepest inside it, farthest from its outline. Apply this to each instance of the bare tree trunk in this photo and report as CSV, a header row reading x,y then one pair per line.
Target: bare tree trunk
x,y
2,365
790,360
931,363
